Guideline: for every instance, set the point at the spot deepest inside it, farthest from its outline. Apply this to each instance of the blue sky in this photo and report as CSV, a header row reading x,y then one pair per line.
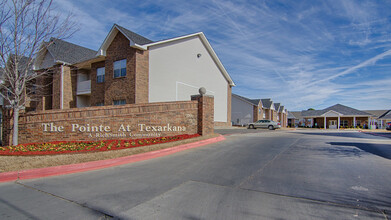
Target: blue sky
x,y
300,53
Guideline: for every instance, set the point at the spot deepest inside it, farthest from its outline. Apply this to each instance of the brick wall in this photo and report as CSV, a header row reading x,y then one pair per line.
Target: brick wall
x,y
255,113
136,73
67,86
125,122
97,89
142,77
56,88
205,106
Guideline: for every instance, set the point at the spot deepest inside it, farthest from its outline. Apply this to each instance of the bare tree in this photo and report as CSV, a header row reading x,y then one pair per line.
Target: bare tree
x,y
24,25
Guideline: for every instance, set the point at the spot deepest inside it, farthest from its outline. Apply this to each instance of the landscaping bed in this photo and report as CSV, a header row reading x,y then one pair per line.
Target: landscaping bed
x,y
64,147
17,163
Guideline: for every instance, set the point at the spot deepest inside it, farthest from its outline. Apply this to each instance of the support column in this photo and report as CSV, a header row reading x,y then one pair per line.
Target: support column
x,y
354,122
205,114
369,123
325,125
339,122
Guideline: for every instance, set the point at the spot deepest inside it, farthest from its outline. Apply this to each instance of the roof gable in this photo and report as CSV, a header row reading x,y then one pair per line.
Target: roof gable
x,y
277,106
386,115
208,47
267,103
291,115
136,40
63,52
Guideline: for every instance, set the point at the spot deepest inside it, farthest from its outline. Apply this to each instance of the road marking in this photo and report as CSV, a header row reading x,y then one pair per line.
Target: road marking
x,y
359,188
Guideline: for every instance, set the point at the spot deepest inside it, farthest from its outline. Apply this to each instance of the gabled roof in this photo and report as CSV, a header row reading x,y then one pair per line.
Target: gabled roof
x,y
207,46
136,40
386,115
297,114
64,52
267,103
254,102
338,108
291,116
282,109
376,113
277,106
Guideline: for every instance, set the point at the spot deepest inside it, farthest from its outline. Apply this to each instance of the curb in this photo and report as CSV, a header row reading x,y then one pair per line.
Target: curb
x,y
95,165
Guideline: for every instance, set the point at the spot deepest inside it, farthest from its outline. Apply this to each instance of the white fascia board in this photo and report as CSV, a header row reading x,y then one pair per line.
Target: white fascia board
x,y
208,47
109,38
272,106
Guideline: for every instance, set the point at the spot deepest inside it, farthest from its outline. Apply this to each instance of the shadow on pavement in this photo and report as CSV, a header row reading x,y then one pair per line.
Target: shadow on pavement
x,y
381,150
337,134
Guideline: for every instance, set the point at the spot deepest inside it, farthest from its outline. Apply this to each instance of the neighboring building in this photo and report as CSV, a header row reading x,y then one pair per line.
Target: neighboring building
x,y
245,110
62,86
292,120
337,116
384,118
268,107
376,114
131,69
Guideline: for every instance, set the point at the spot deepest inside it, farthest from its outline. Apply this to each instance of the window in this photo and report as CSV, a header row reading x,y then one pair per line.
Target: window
x,y
100,75
100,104
358,122
343,123
119,102
120,68
264,115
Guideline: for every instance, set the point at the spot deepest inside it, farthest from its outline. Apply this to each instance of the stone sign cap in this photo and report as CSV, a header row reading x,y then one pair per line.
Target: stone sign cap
x,y
202,91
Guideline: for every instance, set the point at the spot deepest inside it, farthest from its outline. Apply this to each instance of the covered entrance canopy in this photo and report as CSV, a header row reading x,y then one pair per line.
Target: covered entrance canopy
x,y
337,116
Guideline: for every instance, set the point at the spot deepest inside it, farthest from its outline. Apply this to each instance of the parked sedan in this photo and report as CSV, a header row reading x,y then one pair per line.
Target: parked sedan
x,y
271,125
388,126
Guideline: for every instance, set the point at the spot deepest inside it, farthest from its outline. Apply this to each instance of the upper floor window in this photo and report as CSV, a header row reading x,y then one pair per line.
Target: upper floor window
x,y
100,75
120,68
100,104
119,102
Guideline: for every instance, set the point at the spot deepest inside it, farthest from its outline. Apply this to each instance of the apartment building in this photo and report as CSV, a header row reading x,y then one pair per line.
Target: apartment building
x,y
245,110
131,69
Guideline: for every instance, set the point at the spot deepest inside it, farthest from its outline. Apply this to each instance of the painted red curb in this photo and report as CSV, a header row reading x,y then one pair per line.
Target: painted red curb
x,y
95,165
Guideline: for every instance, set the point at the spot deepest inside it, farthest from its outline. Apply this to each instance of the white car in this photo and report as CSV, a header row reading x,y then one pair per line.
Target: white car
x,y
271,125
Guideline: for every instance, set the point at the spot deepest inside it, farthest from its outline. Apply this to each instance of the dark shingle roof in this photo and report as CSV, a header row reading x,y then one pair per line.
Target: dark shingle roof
x,y
277,106
67,52
342,109
376,113
386,115
266,103
291,116
297,115
136,38
281,108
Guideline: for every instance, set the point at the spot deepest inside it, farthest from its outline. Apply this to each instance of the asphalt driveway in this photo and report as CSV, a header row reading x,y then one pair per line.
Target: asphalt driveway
x,y
258,175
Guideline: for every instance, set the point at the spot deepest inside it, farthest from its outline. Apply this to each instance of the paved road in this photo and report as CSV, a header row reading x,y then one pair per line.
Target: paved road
x,y
261,175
